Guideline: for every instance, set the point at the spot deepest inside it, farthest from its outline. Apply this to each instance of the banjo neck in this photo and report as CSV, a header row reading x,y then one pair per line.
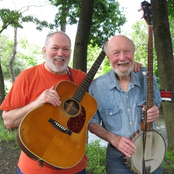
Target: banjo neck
x,y
149,102
150,145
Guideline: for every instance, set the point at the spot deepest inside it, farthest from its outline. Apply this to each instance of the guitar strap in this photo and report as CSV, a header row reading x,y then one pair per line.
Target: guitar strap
x,y
70,75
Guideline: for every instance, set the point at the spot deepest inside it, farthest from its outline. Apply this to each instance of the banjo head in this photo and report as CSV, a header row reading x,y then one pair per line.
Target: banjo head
x,y
153,155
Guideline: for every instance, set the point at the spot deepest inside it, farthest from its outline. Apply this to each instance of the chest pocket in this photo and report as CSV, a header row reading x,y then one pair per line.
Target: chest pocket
x,y
111,118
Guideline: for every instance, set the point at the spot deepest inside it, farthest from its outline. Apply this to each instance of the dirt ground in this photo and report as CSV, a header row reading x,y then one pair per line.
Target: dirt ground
x,y
9,154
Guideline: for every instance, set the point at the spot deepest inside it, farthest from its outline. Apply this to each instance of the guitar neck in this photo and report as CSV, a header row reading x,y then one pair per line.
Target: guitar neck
x,y
149,102
83,88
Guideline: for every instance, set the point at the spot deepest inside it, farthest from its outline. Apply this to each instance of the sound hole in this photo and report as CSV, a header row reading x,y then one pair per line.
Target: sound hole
x,y
71,107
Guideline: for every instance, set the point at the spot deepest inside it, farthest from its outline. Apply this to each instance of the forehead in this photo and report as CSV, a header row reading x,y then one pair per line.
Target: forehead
x,y
120,43
59,39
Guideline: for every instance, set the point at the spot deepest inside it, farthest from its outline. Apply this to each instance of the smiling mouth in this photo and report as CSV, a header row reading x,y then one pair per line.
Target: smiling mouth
x,y
122,64
59,60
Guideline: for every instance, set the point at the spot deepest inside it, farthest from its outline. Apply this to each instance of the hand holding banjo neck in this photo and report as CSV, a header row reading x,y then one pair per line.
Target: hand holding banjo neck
x,y
150,145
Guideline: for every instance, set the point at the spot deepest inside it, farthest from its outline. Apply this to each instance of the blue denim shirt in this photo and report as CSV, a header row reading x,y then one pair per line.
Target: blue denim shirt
x,y
118,111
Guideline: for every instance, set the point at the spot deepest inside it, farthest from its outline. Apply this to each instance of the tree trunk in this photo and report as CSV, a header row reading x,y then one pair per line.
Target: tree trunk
x,y
63,20
63,28
82,36
163,45
13,57
2,90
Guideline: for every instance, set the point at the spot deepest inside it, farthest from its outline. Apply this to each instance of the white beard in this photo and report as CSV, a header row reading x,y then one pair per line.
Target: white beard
x,y
54,68
125,73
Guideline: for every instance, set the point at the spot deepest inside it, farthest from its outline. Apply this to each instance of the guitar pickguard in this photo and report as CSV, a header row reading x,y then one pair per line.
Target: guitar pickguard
x,y
76,124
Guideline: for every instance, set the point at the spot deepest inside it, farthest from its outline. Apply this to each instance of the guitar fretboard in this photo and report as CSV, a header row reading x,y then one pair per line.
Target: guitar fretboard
x,y
83,88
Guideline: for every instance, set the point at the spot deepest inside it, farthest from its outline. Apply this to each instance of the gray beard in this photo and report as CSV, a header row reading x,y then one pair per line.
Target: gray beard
x,y
55,69
123,74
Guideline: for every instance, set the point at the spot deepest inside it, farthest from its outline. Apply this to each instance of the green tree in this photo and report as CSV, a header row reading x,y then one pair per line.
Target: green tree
x,y
31,54
140,39
15,19
6,50
170,6
106,19
68,12
171,23
28,55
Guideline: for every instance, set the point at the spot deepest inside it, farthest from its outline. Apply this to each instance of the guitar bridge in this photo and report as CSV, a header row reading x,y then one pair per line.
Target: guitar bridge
x,y
60,127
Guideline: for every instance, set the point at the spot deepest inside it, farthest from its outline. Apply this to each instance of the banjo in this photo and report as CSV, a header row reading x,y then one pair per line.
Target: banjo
x,y
150,145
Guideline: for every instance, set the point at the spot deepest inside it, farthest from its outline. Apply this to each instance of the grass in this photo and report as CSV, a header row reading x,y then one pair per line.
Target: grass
x,y
5,134
168,163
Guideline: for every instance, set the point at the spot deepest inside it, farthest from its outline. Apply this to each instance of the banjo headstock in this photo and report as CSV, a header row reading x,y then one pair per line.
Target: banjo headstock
x,y
147,13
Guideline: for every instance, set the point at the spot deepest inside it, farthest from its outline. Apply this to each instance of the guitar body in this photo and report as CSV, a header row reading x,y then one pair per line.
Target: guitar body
x,y
57,135
154,152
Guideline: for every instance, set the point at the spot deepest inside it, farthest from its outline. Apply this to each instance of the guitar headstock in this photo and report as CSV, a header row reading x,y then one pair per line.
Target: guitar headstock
x,y
147,13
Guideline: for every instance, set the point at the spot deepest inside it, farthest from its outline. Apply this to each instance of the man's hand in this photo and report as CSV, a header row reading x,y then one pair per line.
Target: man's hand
x,y
49,96
125,145
137,66
152,114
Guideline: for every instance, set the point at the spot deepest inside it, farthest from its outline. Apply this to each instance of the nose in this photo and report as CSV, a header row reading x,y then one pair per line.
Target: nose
x,y
60,52
122,56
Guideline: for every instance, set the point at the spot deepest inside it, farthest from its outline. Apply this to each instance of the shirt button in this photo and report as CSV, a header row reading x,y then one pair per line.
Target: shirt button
x,y
130,122
110,113
128,109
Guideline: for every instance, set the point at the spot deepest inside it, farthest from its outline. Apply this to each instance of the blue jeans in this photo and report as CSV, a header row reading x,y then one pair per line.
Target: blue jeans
x,y
19,171
82,172
115,163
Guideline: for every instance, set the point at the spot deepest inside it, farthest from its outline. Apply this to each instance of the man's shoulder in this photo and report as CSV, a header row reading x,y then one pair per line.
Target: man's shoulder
x,y
32,69
30,72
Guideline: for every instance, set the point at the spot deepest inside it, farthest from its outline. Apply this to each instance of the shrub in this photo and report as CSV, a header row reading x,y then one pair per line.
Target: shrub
x,y
96,158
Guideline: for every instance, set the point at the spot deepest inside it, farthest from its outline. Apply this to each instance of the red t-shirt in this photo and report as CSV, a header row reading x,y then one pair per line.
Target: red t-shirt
x,y
27,87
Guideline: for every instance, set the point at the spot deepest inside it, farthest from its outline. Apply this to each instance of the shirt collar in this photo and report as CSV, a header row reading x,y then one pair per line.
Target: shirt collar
x,y
114,82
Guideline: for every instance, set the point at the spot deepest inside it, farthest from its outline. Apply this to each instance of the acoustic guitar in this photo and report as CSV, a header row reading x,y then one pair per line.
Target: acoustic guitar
x,y
57,135
150,145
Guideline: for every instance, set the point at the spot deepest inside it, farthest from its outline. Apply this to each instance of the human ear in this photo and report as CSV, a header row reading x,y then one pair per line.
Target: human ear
x,y
44,50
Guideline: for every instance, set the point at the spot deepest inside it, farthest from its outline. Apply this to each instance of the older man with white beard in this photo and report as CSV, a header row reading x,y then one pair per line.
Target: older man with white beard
x,y
120,95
